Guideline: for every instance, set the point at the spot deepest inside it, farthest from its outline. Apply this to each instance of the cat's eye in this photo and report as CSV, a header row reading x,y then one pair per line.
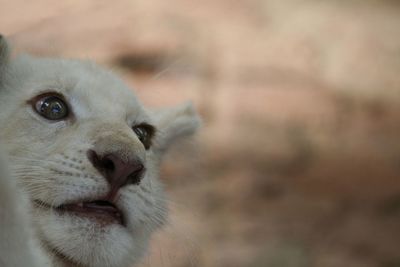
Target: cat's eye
x,y
145,133
51,107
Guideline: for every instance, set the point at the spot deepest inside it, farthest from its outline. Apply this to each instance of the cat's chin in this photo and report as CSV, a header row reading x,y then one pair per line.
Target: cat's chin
x,y
89,241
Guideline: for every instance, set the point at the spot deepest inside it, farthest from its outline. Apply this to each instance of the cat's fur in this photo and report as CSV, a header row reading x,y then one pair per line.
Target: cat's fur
x,y
47,162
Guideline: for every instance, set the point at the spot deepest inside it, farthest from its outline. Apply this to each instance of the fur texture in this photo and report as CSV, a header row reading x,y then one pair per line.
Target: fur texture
x,y
45,164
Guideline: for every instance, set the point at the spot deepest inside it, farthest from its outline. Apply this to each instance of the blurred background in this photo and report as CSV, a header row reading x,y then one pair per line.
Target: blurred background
x,y
298,160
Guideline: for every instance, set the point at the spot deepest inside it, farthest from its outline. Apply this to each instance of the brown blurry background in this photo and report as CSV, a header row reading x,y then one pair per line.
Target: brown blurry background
x,y
298,160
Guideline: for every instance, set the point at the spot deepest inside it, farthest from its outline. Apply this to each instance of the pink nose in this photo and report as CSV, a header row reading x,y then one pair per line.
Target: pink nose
x,y
117,171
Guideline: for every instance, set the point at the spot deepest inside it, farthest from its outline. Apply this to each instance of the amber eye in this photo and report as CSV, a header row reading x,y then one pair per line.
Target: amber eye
x,y
52,108
145,133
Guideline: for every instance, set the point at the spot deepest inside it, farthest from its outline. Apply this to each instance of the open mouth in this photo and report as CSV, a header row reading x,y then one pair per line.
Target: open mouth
x,y
102,211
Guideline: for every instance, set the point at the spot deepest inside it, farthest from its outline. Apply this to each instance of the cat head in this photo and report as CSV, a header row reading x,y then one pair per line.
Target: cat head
x,y
87,153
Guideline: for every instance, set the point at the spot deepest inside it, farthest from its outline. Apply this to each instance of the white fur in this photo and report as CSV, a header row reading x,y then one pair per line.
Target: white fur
x,y
48,162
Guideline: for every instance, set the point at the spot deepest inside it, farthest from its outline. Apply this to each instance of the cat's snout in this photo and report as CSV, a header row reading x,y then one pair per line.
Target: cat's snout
x,y
117,171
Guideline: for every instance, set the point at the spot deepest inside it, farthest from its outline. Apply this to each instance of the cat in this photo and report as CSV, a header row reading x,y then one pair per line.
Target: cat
x,y
79,167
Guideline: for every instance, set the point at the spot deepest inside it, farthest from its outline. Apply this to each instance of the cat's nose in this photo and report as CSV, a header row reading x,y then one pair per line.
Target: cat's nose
x,y
118,172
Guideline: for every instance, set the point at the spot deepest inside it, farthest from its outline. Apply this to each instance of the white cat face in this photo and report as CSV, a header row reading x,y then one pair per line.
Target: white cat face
x,y
87,154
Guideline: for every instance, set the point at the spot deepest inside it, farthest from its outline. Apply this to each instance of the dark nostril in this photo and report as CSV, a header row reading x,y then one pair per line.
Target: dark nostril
x,y
136,176
107,164
97,161
102,164
93,158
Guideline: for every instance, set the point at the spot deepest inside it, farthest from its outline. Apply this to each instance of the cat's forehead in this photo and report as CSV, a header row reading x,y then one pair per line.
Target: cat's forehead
x,y
90,89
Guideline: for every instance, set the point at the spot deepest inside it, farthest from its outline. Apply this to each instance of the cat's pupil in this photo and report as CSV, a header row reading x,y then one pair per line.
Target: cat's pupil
x,y
144,133
52,108
55,108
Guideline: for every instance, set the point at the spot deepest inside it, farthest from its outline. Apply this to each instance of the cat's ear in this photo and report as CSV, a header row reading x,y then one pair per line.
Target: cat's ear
x,y
173,124
4,54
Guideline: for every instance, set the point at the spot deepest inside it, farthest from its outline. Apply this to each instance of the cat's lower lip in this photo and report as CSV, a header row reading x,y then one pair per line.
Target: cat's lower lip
x,y
103,212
